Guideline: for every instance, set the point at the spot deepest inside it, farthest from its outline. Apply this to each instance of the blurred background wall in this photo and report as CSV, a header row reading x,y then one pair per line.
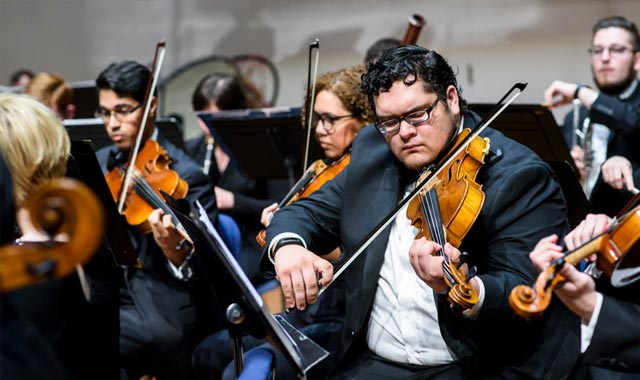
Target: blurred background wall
x,y
492,43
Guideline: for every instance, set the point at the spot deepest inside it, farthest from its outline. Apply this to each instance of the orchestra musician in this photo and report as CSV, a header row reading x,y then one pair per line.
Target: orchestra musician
x,y
70,324
609,337
237,195
166,306
340,111
397,322
611,110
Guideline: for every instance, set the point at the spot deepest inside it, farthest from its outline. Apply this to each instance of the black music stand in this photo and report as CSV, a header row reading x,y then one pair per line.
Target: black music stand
x,y
246,313
267,143
83,165
534,126
93,129
85,98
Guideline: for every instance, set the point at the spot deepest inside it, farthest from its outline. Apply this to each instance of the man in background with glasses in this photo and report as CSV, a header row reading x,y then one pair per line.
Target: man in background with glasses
x,y
609,115
167,306
401,320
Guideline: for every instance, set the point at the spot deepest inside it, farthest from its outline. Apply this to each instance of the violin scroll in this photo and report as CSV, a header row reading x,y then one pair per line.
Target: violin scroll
x,y
60,207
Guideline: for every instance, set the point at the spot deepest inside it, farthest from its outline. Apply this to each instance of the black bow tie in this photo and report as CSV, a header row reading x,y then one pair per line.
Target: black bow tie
x,y
116,158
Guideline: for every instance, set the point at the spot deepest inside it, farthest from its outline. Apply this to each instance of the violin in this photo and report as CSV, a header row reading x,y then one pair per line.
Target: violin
x,y
151,175
56,207
313,179
446,208
616,249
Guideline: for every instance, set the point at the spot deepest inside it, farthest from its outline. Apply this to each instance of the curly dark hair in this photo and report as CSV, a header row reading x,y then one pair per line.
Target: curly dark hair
x,y
410,64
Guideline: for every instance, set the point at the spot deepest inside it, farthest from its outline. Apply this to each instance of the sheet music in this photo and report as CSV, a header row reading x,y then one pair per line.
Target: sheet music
x,y
204,219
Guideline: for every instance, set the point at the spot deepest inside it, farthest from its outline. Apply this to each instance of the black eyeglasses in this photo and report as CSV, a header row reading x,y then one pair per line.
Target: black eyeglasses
x,y
120,114
327,120
597,51
414,118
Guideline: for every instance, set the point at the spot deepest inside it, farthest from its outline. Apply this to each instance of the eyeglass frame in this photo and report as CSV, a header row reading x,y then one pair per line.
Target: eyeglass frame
x,y
106,116
330,118
598,51
403,117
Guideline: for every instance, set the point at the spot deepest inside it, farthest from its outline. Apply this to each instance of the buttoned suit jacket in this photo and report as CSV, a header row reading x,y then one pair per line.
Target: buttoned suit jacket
x,y
523,203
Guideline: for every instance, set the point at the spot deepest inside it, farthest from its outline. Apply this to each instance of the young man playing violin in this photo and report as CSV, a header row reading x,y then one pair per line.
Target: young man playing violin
x,y
610,339
165,307
399,322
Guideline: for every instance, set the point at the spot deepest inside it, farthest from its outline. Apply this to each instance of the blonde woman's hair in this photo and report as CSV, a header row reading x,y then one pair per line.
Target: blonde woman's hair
x,y
33,141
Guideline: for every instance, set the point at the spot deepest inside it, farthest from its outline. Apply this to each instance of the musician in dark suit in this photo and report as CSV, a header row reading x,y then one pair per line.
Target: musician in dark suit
x,y
610,339
611,111
167,306
399,322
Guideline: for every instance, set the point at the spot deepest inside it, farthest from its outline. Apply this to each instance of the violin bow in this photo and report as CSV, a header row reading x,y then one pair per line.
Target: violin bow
x,y
506,100
151,86
311,95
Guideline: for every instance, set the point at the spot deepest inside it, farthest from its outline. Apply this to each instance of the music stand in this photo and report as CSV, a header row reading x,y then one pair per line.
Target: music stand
x,y
83,165
85,98
267,143
245,310
534,126
93,129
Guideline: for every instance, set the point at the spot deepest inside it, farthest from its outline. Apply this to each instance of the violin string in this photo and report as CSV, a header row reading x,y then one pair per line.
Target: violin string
x,y
431,210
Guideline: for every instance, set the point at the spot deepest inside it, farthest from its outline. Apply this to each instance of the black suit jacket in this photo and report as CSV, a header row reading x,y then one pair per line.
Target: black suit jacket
x,y
615,344
523,204
176,314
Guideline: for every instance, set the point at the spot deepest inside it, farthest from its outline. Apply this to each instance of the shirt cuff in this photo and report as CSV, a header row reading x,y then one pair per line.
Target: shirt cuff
x,y
473,312
183,272
275,240
586,331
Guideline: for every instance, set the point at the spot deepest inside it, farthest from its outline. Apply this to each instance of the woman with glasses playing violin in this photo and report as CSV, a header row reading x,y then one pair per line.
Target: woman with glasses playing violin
x,y
339,112
611,112
166,307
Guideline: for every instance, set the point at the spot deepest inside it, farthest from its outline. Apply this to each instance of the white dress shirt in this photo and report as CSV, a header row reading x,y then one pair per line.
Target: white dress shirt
x,y
404,320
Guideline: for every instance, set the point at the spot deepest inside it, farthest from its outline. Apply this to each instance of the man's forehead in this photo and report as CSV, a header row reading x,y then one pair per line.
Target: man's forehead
x,y
114,100
620,35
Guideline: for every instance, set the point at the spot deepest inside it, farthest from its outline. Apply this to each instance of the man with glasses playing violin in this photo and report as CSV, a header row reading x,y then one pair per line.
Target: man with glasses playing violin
x,y
166,308
400,321
613,112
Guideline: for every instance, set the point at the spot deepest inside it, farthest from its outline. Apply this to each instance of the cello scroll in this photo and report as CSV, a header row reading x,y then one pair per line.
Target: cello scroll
x,y
61,207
